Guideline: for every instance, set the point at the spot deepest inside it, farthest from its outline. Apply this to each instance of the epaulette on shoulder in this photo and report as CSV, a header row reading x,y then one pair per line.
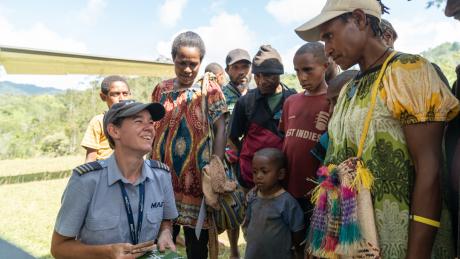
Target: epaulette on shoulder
x,y
88,167
159,165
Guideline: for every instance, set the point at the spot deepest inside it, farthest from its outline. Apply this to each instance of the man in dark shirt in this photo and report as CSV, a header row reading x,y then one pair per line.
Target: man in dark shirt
x,y
256,116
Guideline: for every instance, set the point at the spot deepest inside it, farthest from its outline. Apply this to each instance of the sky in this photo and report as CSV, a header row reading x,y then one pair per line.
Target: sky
x,y
144,29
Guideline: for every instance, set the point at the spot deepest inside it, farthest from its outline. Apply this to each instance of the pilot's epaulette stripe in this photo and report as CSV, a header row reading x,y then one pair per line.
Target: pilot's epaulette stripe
x,y
88,167
159,165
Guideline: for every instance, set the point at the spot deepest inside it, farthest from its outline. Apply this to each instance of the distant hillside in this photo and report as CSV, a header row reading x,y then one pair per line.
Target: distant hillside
x,y
7,87
446,56
53,125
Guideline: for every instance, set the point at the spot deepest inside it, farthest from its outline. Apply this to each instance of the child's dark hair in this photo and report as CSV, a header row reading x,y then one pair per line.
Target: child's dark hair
x,y
315,48
214,68
105,85
386,26
274,154
188,39
340,80
373,21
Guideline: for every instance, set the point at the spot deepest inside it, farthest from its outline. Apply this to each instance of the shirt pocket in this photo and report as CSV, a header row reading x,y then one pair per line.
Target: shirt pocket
x,y
152,224
102,230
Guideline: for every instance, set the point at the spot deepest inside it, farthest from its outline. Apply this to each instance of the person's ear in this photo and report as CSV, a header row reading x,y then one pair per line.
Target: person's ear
x,y
360,19
281,173
103,96
113,131
388,38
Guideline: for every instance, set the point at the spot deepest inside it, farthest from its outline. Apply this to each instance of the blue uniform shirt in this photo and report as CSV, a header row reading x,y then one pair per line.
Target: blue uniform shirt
x,y
93,210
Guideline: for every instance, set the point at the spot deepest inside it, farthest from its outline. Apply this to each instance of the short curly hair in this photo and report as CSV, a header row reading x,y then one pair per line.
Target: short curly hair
x,y
188,39
315,48
387,27
274,155
105,85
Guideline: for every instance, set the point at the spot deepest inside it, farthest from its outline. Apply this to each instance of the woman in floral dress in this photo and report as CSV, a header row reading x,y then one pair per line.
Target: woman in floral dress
x,y
182,136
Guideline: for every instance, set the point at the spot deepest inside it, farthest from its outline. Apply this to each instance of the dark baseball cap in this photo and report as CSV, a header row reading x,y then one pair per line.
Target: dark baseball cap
x,y
128,108
237,55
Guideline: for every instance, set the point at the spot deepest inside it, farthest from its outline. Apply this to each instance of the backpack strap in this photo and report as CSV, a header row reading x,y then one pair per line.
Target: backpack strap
x,y
88,167
249,104
159,165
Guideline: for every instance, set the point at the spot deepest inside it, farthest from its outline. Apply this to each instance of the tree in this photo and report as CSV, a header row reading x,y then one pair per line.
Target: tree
x,y
291,81
436,3
53,125
446,56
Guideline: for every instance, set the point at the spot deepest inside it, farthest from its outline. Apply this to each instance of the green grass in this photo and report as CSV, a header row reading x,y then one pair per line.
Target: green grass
x,y
38,165
28,214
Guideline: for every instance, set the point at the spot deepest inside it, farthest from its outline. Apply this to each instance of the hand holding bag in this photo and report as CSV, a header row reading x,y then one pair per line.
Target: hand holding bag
x,y
214,176
220,191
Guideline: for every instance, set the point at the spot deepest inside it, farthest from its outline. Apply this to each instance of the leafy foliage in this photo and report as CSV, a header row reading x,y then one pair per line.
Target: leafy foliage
x,y
291,81
54,124
436,3
447,57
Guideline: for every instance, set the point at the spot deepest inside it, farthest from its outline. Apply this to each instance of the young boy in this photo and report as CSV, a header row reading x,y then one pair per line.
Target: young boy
x,y
304,120
218,71
113,90
274,219
333,91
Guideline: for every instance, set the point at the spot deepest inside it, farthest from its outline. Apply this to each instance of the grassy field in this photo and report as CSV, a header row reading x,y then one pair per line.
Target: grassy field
x,y
38,165
28,210
28,214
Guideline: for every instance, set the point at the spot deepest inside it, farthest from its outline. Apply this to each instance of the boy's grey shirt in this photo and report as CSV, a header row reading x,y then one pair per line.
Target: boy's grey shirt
x,y
271,224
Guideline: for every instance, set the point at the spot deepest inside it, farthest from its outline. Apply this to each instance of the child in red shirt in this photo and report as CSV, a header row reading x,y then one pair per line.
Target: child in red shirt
x,y
304,120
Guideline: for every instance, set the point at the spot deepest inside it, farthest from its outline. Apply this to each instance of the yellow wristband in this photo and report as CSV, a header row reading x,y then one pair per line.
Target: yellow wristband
x,y
426,221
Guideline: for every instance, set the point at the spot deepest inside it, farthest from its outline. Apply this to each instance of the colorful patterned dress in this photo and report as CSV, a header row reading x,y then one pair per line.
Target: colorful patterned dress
x,y
182,141
411,92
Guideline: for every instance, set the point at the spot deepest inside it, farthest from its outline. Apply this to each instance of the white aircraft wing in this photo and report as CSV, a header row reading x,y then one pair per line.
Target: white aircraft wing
x,y
43,62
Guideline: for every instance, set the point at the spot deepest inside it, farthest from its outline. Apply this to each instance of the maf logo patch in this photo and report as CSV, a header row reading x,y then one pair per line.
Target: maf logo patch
x,y
157,204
